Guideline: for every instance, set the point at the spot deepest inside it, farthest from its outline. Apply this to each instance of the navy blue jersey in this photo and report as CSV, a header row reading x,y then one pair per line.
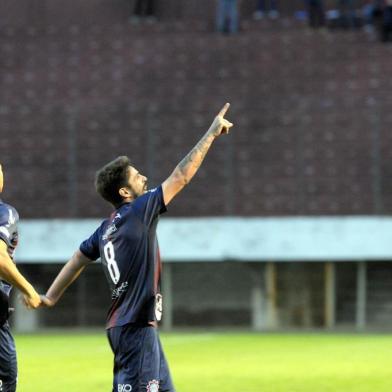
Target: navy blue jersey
x,y
9,218
128,247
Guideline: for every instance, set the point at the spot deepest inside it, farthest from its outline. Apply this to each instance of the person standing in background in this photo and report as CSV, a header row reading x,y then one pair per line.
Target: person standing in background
x,y
316,14
386,26
261,10
144,9
372,12
227,16
347,13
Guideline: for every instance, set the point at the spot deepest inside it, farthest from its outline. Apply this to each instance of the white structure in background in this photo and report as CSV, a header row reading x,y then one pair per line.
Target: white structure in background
x,y
267,240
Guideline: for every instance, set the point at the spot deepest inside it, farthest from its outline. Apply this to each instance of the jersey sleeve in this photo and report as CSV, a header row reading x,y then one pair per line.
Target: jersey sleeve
x,y
90,246
150,205
6,228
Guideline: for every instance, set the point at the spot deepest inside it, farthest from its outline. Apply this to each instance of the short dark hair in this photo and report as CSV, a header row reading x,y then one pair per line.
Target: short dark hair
x,y
110,178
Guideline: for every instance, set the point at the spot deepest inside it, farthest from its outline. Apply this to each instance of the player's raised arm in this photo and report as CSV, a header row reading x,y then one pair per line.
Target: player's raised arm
x,y
70,272
10,273
188,167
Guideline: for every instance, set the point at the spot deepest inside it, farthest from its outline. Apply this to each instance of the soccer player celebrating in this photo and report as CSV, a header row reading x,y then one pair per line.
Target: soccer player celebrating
x,y
10,276
127,245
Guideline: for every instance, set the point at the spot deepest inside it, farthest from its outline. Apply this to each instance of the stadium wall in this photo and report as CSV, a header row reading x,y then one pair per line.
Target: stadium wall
x,y
229,295
311,137
262,274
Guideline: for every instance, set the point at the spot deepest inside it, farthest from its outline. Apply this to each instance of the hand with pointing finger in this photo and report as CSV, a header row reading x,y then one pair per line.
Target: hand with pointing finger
x,y
220,125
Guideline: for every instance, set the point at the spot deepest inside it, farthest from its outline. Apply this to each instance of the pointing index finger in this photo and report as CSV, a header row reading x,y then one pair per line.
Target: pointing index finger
x,y
224,110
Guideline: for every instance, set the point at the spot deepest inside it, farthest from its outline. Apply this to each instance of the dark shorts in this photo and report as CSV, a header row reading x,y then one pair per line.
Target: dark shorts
x,y
139,362
4,307
8,366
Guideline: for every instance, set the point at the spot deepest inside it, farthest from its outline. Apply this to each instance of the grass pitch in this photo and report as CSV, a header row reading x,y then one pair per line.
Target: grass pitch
x,y
210,362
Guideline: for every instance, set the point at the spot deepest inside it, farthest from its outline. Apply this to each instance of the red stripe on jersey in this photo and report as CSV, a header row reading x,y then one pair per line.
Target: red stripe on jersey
x,y
158,270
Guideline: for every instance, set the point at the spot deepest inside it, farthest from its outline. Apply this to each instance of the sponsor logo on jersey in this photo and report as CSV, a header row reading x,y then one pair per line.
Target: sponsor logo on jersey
x,y
119,290
153,386
124,388
110,230
1,386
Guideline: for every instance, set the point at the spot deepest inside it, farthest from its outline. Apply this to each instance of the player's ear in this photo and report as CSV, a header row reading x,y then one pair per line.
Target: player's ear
x,y
124,192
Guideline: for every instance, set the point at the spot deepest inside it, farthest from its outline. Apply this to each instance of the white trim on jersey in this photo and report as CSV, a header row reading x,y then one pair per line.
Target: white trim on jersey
x,y
5,231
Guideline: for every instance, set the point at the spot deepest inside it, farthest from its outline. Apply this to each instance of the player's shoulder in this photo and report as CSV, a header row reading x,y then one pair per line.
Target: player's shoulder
x,y
103,225
141,201
7,206
97,234
155,190
8,213
150,193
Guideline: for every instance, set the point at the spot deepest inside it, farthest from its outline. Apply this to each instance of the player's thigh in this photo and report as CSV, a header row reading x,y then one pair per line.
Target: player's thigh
x,y
155,370
8,364
140,365
166,382
7,386
140,360
150,362
124,342
136,362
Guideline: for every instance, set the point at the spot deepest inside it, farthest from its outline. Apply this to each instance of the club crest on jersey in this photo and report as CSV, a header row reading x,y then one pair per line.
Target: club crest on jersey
x,y
110,230
153,386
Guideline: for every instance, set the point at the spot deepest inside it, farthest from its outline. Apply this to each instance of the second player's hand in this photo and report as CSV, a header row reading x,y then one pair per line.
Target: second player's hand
x,y
46,301
220,125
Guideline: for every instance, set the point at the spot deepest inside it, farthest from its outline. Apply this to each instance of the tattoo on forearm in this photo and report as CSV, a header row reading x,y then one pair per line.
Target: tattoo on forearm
x,y
195,157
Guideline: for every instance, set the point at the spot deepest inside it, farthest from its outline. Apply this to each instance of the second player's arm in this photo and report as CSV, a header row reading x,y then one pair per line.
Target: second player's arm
x,y
188,167
10,273
69,273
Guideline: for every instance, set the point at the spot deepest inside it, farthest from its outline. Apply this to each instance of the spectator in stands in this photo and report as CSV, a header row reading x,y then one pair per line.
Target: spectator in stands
x,y
372,13
316,15
144,9
386,27
261,10
346,13
227,19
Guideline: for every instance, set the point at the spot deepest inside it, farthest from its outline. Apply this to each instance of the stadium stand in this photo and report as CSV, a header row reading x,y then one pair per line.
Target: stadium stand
x,y
96,90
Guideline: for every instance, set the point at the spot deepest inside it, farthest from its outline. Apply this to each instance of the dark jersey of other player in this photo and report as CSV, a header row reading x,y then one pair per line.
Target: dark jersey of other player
x,y
9,218
128,247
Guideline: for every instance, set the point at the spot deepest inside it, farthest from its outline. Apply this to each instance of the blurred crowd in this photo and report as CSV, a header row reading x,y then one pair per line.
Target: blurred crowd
x,y
144,10
374,16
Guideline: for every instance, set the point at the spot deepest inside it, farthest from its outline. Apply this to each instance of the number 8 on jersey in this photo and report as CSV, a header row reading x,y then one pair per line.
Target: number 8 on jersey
x,y
114,272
